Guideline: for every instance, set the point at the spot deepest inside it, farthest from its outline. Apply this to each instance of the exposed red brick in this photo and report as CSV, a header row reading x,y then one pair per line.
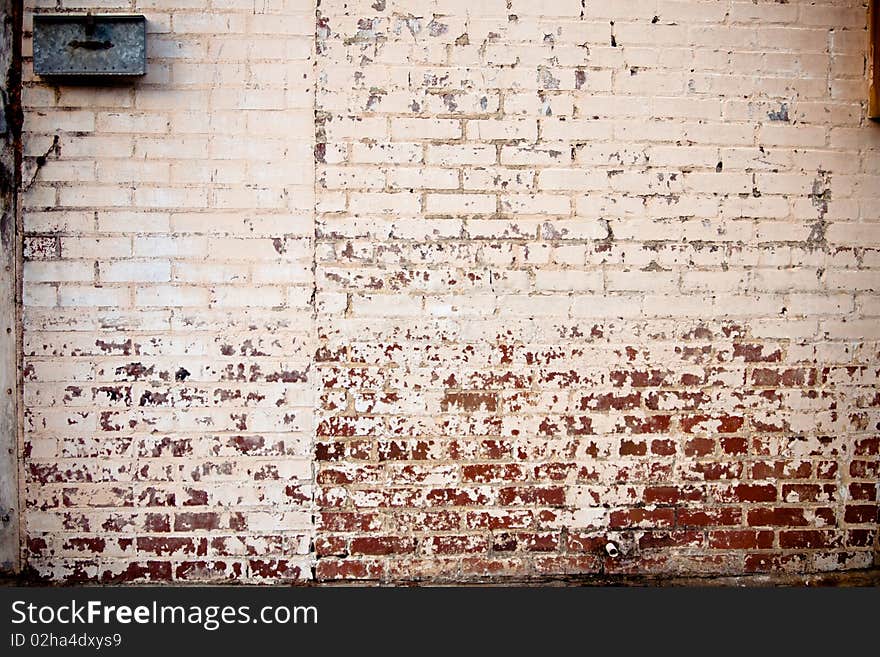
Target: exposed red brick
x,y
862,514
777,517
469,401
655,540
489,567
331,546
585,542
381,545
781,470
609,401
699,447
788,378
157,522
184,522
568,565
709,517
862,491
274,569
333,569
865,469
465,544
519,519
811,492
649,424
867,446
672,494
349,522
769,562
493,473
139,571
534,495
809,539
710,471
172,545
633,448
207,570
734,446
750,493
741,540
663,447
711,423
756,353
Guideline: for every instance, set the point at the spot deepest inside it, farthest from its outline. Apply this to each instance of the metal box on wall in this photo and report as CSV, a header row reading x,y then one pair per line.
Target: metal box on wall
x,y
90,46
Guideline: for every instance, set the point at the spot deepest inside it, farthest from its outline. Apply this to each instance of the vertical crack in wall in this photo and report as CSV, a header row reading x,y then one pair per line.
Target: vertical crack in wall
x,y
32,165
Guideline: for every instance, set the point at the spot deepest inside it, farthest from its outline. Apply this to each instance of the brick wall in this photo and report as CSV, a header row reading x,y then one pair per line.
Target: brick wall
x,y
454,290
168,278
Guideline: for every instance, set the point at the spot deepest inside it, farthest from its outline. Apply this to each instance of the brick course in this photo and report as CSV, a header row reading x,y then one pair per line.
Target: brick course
x,y
451,291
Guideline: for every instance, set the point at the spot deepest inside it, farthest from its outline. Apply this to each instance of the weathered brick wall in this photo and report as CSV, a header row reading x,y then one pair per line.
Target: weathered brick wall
x,y
168,278
581,273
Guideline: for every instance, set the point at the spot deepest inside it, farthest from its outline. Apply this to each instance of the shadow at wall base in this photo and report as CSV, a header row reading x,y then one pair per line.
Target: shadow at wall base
x,y
844,579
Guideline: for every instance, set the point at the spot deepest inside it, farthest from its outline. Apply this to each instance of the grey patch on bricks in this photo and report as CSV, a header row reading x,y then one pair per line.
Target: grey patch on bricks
x,y
779,115
819,197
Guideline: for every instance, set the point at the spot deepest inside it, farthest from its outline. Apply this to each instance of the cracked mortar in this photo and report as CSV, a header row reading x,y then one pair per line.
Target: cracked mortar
x,y
32,165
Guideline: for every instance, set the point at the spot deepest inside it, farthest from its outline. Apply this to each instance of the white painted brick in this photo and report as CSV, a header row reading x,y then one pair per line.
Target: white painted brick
x,y
39,295
495,130
64,121
461,204
116,297
171,295
90,197
423,178
567,279
135,271
98,247
387,305
58,270
386,153
170,246
425,129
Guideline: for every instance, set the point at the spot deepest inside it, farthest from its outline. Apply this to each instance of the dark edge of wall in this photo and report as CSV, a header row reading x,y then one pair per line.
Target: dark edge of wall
x,y
10,284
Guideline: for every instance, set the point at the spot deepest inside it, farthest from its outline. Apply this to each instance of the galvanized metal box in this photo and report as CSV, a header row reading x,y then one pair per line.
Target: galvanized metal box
x,y
90,46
